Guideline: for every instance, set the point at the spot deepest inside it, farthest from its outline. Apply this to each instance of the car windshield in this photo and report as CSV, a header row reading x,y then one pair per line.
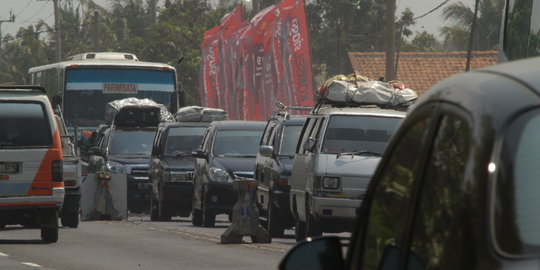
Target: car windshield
x,y
289,139
182,140
239,143
358,134
24,125
136,142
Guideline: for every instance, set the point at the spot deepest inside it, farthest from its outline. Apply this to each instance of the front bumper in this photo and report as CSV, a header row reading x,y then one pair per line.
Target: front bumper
x,y
220,197
337,208
181,192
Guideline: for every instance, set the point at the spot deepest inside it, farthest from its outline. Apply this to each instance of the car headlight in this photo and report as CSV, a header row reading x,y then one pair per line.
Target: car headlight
x,y
330,183
219,175
115,167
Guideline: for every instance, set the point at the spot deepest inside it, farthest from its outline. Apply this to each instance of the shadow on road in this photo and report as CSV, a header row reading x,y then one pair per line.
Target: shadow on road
x,y
22,242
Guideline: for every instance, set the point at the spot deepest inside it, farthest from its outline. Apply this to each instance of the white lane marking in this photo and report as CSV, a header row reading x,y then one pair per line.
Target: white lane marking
x,y
3,254
32,264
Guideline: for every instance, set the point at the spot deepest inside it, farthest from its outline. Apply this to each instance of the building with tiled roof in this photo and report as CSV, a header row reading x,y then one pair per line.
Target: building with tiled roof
x,y
420,70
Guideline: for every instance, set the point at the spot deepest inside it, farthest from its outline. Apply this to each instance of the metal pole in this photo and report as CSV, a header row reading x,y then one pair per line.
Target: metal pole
x,y
390,39
57,31
471,38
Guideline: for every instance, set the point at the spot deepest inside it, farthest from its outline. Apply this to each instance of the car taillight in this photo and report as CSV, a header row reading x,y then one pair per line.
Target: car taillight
x,y
57,171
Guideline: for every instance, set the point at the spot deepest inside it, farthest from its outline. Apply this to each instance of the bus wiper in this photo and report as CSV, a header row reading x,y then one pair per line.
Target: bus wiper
x,y
360,153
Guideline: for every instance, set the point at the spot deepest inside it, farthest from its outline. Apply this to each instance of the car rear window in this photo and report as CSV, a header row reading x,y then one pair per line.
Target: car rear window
x,y
24,124
517,204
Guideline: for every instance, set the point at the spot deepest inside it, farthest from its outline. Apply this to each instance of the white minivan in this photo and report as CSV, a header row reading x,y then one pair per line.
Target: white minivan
x,y
31,181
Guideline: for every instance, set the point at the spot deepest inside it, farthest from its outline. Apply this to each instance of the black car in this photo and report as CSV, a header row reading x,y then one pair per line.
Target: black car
x,y
171,169
457,187
273,170
227,152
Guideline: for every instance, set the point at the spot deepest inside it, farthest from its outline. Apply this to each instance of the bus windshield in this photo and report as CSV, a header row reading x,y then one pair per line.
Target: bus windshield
x,y
88,90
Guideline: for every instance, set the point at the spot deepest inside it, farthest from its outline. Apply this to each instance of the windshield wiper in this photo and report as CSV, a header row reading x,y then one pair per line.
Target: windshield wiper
x,y
360,153
181,154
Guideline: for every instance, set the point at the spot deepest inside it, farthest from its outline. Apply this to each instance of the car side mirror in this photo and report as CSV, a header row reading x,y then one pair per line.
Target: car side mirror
x,y
266,150
317,254
199,153
309,145
94,151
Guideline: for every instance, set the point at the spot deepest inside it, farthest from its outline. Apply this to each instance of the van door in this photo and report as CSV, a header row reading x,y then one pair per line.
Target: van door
x,y
27,150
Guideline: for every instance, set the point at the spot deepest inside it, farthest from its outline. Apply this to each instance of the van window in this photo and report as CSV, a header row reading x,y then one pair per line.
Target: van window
x,y
517,186
182,140
289,139
24,125
351,133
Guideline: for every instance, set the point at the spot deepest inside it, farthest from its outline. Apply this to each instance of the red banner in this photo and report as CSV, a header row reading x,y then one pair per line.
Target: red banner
x,y
246,68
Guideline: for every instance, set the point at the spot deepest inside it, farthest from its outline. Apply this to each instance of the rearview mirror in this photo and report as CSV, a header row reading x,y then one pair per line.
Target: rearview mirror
x,y
266,150
199,153
309,145
316,254
94,151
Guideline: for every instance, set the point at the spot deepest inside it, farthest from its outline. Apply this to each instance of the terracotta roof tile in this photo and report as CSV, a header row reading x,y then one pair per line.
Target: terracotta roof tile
x,y
420,70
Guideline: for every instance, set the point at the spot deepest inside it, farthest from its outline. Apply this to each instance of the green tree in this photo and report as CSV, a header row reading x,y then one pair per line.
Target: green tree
x,y
422,42
461,16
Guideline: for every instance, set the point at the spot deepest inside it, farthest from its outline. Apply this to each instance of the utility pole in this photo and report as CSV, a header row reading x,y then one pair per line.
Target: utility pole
x,y
57,32
471,37
11,19
96,25
390,39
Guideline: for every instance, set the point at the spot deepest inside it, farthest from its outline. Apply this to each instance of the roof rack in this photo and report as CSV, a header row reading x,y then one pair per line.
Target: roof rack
x,y
23,88
279,110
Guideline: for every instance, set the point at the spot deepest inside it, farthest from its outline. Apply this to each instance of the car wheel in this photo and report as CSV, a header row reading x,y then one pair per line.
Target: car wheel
x,y
164,211
209,218
154,210
196,214
275,221
70,219
49,227
313,228
300,230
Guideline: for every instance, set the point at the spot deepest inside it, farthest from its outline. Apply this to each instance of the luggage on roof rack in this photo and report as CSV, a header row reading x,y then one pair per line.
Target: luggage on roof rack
x,y
136,112
355,90
200,114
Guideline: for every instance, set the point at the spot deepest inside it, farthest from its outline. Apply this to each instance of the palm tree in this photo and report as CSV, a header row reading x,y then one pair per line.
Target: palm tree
x,y
461,16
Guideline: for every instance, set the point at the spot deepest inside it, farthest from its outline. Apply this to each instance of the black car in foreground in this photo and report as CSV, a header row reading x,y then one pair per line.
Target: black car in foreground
x,y
171,168
458,185
227,152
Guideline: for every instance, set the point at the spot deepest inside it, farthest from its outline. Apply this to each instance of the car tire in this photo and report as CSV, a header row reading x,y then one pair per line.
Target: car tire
x,y
154,210
299,230
313,228
49,227
209,218
275,224
196,217
70,219
164,211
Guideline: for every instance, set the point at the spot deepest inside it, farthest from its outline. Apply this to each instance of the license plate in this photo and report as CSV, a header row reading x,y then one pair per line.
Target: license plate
x,y
10,167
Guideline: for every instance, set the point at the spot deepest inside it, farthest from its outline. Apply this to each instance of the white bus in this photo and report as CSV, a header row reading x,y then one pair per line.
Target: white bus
x,y
84,83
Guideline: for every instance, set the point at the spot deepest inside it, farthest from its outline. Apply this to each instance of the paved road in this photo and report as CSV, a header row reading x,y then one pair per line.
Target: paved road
x,y
137,244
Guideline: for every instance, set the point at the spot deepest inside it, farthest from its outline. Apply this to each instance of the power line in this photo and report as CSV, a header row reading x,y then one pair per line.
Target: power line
x,y
40,10
27,5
